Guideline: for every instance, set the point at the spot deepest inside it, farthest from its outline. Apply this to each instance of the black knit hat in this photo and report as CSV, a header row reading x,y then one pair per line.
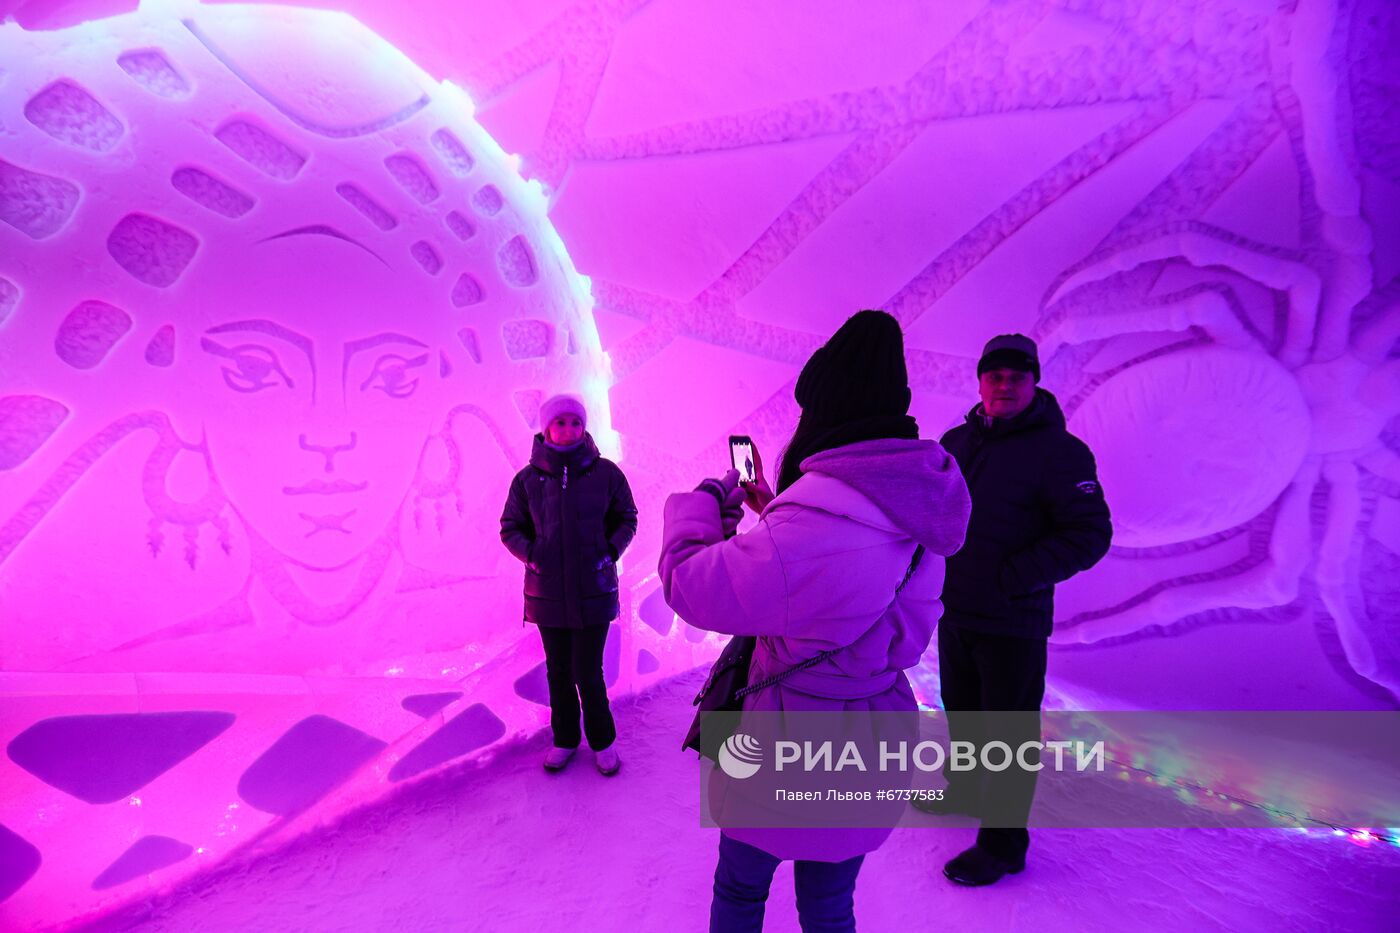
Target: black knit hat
x,y
1010,351
858,373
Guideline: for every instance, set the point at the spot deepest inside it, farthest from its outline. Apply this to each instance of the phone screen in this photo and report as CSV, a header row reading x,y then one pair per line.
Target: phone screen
x,y
741,455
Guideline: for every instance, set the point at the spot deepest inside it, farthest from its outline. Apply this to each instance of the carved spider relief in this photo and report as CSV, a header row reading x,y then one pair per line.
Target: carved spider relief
x,y
1225,420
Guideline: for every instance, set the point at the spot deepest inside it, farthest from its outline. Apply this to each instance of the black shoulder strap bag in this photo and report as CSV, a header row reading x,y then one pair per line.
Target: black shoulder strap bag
x,y
728,683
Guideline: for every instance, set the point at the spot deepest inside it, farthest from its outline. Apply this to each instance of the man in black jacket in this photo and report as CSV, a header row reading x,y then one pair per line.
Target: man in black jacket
x,y
1038,518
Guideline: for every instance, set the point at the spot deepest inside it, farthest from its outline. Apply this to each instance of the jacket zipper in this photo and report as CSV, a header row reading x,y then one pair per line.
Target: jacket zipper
x,y
566,476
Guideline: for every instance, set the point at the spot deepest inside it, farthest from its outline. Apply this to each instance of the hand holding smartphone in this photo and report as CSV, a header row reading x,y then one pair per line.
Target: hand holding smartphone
x,y
743,455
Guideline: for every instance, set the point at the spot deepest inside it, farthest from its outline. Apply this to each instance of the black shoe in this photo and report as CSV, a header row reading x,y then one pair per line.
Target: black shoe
x,y
976,867
947,805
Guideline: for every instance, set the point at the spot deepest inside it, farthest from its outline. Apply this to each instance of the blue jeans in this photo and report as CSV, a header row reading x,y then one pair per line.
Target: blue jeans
x,y
825,890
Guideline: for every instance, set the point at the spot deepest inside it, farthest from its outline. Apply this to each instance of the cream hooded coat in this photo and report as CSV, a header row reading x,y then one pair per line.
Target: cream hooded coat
x,y
819,571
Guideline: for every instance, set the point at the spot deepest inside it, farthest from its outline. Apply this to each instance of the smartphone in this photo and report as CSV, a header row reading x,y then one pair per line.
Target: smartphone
x,y
741,456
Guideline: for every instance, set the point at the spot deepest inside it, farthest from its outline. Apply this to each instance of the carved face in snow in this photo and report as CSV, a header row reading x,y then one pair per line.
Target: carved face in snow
x,y
273,301
325,384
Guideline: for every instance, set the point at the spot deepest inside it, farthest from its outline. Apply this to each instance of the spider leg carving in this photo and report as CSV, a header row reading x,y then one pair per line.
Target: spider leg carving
x,y
1343,516
1372,343
1272,582
1203,245
1382,462
1207,307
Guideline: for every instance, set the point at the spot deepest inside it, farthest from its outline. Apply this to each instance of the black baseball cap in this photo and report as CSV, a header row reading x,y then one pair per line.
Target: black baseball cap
x,y
1010,351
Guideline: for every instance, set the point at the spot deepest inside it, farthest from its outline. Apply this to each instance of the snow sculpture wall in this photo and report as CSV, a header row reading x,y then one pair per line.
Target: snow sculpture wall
x,y
283,317
279,316
1193,205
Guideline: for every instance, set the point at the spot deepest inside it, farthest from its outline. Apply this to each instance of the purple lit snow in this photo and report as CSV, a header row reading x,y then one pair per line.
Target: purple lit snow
x,y
282,290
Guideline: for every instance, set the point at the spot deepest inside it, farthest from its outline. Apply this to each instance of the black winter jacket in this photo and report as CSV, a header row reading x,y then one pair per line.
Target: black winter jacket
x,y
569,516
1038,518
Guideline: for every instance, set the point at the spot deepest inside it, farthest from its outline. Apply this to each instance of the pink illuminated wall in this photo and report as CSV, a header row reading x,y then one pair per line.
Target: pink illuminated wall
x,y
281,289
305,312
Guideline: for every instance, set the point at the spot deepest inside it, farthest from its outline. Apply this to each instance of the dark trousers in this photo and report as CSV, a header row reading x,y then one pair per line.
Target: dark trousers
x,y
995,673
573,661
825,890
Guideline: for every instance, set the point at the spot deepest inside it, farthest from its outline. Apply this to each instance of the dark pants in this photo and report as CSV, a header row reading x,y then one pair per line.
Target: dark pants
x,y
983,672
825,890
573,661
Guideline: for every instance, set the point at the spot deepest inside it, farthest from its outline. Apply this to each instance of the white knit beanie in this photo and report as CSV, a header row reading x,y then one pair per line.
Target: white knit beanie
x,y
562,404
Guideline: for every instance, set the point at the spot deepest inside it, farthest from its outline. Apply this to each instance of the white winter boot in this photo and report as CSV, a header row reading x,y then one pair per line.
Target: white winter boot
x,y
557,758
608,762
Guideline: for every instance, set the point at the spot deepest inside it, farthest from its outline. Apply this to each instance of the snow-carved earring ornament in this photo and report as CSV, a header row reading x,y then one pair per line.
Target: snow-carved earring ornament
x,y
167,510
426,487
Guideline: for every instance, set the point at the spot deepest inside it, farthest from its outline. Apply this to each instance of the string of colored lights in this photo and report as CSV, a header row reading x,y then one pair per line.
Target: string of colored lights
x,y
1136,767
1356,834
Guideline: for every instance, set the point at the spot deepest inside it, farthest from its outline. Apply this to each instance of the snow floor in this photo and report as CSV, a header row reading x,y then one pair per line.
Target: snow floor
x,y
503,845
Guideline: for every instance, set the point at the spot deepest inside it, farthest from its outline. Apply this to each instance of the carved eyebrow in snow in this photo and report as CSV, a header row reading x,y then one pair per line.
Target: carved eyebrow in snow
x,y
322,230
366,343
270,329
355,346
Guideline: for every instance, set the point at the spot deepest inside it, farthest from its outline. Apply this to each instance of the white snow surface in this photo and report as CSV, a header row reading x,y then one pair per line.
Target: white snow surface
x,y
501,845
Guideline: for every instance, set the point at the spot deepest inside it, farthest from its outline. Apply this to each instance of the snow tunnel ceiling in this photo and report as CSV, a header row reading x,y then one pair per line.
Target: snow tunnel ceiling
x,y
282,288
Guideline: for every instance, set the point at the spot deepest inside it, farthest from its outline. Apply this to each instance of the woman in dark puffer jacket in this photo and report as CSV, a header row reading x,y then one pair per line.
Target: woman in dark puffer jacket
x,y
569,517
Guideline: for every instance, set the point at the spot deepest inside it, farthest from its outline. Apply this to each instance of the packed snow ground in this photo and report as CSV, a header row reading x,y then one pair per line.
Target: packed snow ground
x,y
504,846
